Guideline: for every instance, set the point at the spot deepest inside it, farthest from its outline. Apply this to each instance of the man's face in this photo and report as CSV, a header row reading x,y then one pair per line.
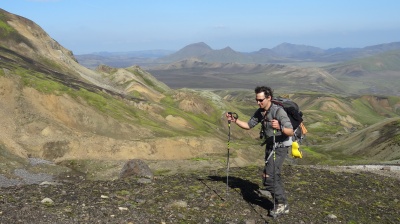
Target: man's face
x,y
262,101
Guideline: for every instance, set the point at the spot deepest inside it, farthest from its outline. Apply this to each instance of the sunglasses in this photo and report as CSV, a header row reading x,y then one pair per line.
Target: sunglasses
x,y
258,100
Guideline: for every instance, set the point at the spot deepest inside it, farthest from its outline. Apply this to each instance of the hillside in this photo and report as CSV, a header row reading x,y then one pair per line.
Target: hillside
x,y
55,109
379,142
377,74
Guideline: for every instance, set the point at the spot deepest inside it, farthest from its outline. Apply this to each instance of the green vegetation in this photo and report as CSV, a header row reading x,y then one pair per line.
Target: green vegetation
x,y
168,100
199,159
200,121
161,172
39,82
4,27
312,156
105,103
99,100
199,124
9,33
367,114
145,78
135,94
396,138
212,117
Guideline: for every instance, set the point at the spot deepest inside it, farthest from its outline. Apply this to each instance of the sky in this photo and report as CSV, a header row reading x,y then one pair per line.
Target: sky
x,y
88,26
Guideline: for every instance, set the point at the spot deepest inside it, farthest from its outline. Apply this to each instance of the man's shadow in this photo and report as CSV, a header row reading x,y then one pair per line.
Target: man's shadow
x,y
249,191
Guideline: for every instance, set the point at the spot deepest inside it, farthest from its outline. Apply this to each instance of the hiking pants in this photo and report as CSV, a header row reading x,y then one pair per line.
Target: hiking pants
x,y
273,183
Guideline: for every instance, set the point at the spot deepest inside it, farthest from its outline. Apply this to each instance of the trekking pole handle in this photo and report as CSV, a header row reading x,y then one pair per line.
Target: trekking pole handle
x,y
233,115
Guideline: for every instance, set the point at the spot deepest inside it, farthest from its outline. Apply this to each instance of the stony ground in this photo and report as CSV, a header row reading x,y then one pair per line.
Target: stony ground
x,y
315,196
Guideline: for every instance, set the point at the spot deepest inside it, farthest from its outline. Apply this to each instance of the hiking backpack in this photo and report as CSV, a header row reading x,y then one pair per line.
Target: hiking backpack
x,y
294,114
296,118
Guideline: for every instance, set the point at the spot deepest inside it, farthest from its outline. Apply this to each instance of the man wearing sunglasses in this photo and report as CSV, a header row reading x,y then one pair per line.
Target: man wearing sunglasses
x,y
277,129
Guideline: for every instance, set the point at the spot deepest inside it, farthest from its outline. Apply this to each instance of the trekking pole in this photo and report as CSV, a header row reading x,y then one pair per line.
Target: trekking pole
x,y
273,151
234,115
227,160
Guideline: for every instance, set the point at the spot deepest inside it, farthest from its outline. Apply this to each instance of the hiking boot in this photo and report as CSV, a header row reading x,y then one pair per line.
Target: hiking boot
x,y
279,209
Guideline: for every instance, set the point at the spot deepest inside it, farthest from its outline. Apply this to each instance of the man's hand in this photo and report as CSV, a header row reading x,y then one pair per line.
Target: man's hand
x,y
231,116
275,124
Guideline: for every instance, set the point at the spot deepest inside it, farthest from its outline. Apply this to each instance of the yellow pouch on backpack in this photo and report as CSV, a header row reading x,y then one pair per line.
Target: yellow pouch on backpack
x,y
296,153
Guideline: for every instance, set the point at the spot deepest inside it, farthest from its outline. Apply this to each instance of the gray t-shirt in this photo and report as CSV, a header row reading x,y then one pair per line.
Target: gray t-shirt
x,y
274,112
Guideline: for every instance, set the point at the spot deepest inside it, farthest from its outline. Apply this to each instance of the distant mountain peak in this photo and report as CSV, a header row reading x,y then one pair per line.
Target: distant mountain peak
x,y
199,45
298,46
195,50
228,49
289,50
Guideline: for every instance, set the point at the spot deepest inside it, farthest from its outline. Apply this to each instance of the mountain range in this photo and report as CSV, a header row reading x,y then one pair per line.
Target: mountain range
x,y
372,69
284,53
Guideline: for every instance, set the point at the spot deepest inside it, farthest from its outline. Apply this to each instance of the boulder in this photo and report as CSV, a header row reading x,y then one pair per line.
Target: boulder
x,y
136,168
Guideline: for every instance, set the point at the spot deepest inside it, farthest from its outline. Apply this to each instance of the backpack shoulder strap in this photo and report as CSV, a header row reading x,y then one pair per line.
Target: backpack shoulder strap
x,y
274,110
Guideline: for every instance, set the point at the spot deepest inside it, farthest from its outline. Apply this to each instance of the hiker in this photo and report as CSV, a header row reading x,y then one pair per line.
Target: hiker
x,y
277,128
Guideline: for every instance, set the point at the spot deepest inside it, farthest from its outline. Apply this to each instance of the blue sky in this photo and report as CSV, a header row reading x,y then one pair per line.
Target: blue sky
x,y
86,26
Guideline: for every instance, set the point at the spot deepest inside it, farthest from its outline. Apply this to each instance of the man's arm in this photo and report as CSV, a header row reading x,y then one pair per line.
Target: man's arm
x,y
284,124
242,124
288,131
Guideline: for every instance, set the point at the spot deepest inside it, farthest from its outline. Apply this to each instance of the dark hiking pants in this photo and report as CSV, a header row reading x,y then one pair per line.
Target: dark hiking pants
x,y
273,183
